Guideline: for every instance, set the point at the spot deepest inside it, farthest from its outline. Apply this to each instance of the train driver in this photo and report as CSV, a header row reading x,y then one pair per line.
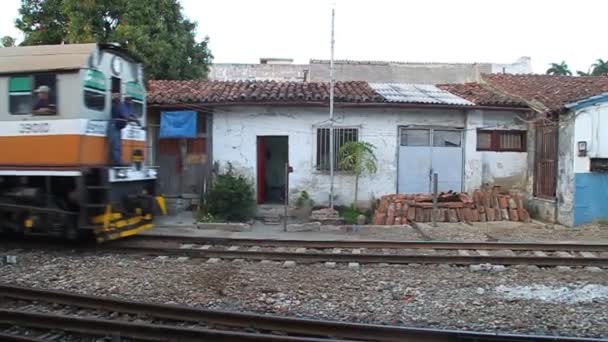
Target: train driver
x,y
43,104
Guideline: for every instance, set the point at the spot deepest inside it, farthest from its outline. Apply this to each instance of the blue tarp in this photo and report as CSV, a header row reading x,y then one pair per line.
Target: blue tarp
x,y
180,124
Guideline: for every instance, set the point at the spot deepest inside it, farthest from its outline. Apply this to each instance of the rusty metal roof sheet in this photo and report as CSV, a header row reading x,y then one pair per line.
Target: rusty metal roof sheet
x,y
417,93
44,57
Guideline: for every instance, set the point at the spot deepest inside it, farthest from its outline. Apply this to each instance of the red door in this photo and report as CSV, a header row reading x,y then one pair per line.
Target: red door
x,y
261,170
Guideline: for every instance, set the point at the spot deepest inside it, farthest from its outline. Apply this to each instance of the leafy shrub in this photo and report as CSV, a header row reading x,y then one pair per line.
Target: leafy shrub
x,y
304,200
350,214
230,198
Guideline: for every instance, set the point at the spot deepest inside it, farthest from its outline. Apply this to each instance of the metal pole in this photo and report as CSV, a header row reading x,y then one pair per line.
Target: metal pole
x,y
286,197
434,213
331,115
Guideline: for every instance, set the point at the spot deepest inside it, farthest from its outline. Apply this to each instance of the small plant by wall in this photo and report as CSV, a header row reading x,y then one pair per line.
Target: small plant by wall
x,y
230,198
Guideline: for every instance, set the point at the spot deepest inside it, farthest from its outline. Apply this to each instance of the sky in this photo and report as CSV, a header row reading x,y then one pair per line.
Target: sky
x,y
497,31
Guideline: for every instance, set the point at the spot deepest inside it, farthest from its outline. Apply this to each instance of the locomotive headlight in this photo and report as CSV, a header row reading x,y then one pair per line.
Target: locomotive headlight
x,y
121,173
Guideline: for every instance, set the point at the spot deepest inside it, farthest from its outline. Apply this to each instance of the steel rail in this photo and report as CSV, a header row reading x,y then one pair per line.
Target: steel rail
x,y
519,246
15,338
366,258
308,327
141,331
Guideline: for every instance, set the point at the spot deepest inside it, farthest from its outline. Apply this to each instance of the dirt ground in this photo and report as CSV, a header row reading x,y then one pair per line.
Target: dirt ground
x,y
514,231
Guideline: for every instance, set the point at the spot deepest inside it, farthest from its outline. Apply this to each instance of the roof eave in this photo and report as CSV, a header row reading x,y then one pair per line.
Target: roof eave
x,y
55,70
587,102
337,104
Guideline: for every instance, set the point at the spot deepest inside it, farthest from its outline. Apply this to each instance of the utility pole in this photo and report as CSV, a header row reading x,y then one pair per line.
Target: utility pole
x,y
331,114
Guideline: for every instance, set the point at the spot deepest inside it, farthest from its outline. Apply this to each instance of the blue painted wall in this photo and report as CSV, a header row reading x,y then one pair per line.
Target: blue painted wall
x,y
590,197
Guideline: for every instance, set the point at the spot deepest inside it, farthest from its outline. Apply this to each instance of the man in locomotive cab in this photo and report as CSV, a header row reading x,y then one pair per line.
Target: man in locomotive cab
x,y
122,113
43,104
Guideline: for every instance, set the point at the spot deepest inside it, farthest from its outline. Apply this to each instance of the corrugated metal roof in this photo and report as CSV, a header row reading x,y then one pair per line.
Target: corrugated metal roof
x,y
417,93
44,57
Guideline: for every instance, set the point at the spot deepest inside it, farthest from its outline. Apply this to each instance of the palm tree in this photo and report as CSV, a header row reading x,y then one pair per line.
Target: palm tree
x,y
7,41
599,68
357,157
582,73
559,69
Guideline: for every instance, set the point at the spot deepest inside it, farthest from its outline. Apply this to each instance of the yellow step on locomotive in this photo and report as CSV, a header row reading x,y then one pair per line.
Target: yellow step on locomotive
x,y
58,106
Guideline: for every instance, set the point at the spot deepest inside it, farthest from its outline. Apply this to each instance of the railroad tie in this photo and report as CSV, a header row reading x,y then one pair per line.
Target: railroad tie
x,y
540,254
588,255
483,252
563,254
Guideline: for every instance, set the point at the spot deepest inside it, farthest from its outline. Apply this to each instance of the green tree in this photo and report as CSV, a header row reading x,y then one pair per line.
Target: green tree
x,y
357,157
599,68
583,73
559,69
7,41
154,30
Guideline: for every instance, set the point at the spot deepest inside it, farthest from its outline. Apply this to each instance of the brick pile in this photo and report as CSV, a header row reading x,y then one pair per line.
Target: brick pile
x,y
485,205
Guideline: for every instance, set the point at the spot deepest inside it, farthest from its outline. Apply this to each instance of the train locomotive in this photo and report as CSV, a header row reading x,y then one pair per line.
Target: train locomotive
x,y
56,178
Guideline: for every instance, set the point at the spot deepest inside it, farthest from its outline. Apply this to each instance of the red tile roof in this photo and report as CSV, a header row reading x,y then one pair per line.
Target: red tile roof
x,y
547,93
174,92
482,95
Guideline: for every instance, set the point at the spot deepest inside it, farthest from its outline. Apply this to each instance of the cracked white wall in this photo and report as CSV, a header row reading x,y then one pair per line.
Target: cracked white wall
x,y
507,169
235,130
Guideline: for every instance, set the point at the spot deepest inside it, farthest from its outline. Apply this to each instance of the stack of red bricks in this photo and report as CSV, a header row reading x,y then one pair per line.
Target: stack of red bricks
x,y
487,204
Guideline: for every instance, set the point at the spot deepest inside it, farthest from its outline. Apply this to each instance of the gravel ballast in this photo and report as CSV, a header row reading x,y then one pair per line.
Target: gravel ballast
x,y
516,300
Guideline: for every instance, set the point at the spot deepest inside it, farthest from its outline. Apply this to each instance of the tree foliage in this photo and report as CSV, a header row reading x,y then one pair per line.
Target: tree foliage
x,y
357,157
154,30
599,68
7,41
559,69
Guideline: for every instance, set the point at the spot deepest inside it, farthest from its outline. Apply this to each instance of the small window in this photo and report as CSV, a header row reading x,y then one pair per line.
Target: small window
x,y
23,98
415,137
136,92
599,165
20,94
138,109
445,138
484,141
501,141
341,137
95,90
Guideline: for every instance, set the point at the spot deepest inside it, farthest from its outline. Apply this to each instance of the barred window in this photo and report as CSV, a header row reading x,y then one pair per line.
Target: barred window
x,y
341,137
501,141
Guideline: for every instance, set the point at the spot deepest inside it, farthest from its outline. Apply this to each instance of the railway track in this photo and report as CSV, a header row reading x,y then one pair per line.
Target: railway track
x,y
365,252
28,314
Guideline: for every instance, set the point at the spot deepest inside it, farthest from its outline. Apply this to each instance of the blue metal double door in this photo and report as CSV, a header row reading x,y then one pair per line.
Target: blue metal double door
x,y
425,151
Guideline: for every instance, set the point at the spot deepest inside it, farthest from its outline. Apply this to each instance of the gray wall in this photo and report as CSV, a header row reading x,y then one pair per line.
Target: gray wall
x,y
258,72
400,72
371,71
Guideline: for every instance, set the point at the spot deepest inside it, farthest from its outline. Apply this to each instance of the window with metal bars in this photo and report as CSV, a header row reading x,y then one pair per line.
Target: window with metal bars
x,y
341,137
501,141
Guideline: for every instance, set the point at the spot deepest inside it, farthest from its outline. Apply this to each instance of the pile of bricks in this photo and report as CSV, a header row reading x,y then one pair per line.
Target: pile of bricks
x,y
485,205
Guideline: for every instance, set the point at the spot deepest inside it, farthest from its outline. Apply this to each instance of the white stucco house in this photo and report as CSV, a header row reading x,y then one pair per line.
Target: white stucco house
x,y
568,144
467,134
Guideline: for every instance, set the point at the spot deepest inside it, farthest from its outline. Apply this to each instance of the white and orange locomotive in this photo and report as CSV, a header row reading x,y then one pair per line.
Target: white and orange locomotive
x,y
56,177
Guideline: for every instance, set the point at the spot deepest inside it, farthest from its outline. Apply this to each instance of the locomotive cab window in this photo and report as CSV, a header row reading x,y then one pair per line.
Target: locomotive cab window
x,y
95,90
33,94
136,92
